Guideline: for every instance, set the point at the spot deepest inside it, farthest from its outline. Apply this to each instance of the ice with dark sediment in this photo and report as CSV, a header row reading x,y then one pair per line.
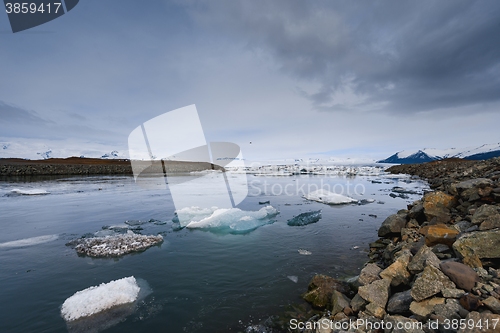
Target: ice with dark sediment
x,y
305,218
115,245
330,198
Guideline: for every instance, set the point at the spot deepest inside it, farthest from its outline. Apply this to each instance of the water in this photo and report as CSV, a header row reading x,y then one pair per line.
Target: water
x,y
200,281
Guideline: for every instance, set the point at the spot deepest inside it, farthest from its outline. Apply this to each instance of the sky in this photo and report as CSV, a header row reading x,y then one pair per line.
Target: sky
x,y
281,78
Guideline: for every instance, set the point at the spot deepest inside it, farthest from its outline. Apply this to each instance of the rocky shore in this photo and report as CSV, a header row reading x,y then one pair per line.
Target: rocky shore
x,y
435,267
90,166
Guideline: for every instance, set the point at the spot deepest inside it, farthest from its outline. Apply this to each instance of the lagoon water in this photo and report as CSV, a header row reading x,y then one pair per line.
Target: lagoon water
x,y
198,280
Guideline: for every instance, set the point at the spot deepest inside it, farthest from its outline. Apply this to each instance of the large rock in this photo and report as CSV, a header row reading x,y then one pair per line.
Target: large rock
x,y
375,310
424,257
476,318
339,302
440,234
321,289
429,283
376,292
425,308
450,310
462,275
437,206
483,244
457,188
493,304
392,225
358,303
487,217
397,272
400,302
369,273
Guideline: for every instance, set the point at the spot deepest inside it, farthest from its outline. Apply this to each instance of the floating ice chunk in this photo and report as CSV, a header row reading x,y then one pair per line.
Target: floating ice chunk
x,y
28,192
304,252
366,201
328,197
96,299
235,220
29,241
294,278
117,245
305,218
205,172
193,213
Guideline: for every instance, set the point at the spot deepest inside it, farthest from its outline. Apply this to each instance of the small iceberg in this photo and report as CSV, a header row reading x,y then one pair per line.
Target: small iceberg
x,y
235,220
305,218
96,299
304,252
293,278
329,198
29,241
17,191
117,245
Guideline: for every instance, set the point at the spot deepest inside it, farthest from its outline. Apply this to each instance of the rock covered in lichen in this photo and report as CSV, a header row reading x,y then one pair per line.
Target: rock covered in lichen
x,y
118,245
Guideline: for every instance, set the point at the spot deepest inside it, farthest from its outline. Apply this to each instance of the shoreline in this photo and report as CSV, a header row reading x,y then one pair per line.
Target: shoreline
x,y
435,262
92,166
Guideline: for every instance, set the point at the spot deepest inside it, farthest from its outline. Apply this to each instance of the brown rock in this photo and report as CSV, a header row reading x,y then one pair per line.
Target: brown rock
x,y
440,234
493,304
481,318
321,288
470,302
369,273
437,205
397,272
376,292
462,275
339,302
483,244
422,258
375,310
425,308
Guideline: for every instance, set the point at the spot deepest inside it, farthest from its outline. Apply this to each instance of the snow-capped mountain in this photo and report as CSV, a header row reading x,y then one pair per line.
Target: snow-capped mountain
x,y
431,154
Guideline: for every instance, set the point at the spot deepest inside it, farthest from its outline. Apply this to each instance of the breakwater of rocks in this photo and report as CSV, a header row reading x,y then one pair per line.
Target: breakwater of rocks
x,y
436,264
91,166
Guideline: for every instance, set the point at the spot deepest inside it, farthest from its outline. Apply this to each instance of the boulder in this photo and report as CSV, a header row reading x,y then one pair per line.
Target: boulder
x,y
457,188
425,308
376,292
358,303
429,283
437,206
493,304
476,318
321,289
470,302
397,272
368,274
440,234
400,302
483,244
375,310
449,310
339,302
452,293
487,217
392,225
422,258
462,275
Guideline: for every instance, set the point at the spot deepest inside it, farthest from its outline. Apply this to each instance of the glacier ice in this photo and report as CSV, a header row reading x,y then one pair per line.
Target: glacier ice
x,y
233,220
327,197
18,191
304,252
29,241
293,278
305,218
96,299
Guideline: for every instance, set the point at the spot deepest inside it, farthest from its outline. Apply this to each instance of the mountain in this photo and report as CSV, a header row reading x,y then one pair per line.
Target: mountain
x,y
431,154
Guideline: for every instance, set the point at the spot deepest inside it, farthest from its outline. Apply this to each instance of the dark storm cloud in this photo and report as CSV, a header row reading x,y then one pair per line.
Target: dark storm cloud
x,y
396,56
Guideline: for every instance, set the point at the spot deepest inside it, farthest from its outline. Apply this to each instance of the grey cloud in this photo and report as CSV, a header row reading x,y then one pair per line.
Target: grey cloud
x,y
13,114
402,57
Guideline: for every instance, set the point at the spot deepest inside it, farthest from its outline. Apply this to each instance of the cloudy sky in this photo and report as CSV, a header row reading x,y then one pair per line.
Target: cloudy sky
x,y
295,78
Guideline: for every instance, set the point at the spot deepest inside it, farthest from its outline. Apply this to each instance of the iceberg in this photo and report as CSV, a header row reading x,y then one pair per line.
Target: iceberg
x,y
293,278
328,197
18,191
96,299
117,245
235,220
304,252
305,218
29,241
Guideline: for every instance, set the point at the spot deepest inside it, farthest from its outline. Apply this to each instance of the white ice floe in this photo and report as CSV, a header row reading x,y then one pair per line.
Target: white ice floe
x,y
293,278
96,299
29,241
235,219
304,252
328,197
205,172
29,191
